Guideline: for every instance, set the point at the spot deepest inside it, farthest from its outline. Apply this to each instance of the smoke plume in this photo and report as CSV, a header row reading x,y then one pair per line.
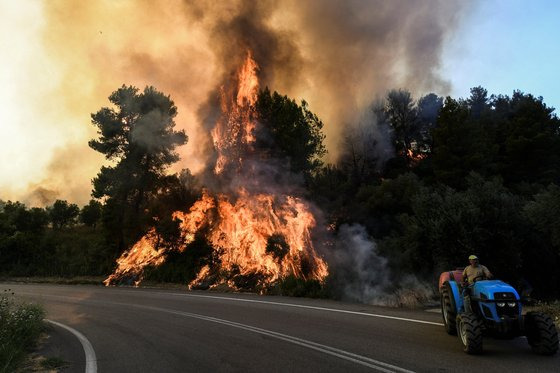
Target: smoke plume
x,y
336,55
363,275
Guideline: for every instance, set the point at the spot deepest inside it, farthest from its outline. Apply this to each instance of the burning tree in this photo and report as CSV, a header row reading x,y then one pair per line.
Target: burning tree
x,y
259,228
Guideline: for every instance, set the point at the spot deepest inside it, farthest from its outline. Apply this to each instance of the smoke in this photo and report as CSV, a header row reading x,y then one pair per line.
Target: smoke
x,y
336,55
362,275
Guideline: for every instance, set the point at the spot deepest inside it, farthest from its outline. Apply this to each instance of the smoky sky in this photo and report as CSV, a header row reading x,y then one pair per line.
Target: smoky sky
x,y
337,55
340,56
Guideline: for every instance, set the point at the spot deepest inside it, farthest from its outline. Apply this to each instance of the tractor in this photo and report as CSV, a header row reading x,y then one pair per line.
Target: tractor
x,y
491,308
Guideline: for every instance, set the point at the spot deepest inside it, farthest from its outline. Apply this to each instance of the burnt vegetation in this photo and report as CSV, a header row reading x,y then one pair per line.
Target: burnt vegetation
x,y
431,180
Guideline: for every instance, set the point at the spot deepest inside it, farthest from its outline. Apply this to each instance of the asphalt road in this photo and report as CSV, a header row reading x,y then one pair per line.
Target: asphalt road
x,y
153,330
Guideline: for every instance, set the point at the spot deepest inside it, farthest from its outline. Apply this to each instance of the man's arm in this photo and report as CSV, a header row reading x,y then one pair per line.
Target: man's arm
x,y
487,273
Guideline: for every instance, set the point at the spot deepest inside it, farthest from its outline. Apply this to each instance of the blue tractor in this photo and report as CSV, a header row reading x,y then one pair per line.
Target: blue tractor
x,y
491,308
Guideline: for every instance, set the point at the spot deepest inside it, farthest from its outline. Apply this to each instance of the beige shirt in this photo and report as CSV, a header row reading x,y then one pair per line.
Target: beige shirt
x,y
471,272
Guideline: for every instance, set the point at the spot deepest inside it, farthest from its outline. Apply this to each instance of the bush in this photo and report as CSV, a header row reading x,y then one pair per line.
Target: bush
x,y
20,326
292,286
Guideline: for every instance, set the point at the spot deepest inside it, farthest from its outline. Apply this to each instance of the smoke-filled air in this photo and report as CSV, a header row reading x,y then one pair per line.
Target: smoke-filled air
x,y
64,60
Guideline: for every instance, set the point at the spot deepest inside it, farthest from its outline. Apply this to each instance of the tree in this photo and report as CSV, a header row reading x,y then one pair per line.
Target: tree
x,y
138,136
91,213
447,225
428,108
478,102
403,118
289,132
542,213
461,145
528,139
61,213
359,155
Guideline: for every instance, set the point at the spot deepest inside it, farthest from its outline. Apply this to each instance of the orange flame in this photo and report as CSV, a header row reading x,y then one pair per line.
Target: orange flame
x,y
131,264
252,233
415,157
234,130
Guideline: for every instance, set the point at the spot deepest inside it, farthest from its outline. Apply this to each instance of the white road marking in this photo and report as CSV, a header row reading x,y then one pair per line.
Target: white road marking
x,y
307,307
91,359
342,354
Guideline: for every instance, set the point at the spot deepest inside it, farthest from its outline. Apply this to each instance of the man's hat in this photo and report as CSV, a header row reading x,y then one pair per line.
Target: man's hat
x,y
473,257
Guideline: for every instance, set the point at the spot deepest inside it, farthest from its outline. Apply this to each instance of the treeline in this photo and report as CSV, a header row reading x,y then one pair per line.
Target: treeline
x,y
477,175
432,180
60,240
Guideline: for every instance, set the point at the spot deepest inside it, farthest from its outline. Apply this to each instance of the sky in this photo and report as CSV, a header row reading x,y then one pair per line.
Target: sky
x,y
507,45
61,61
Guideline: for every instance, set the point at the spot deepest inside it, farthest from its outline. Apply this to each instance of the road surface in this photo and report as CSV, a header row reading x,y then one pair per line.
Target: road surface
x,y
155,330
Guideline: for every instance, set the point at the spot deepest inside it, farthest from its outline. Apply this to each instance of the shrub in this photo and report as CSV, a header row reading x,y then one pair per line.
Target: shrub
x,y
297,287
20,326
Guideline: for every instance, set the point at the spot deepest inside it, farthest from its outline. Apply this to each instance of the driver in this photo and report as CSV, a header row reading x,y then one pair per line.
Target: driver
x,y
475,270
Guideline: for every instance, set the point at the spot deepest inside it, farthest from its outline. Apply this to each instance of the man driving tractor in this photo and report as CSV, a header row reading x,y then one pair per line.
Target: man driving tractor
x,y
475,271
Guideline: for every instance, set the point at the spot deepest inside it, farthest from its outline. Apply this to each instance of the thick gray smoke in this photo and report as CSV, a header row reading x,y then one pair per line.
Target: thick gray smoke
x,y
362,275
337,55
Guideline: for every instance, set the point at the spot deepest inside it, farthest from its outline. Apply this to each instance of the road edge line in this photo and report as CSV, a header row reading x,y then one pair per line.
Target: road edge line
x,y
310,307
91,359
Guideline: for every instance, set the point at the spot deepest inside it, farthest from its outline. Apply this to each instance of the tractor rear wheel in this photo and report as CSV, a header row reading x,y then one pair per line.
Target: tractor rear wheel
x,y
469,329
541,333
448,310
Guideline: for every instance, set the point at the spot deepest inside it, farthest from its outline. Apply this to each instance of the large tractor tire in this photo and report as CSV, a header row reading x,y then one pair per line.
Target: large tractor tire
x,y
448,309
541,333
469,328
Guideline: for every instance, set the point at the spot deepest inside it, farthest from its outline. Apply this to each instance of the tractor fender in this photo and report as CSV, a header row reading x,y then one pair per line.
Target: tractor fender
x,y
457,297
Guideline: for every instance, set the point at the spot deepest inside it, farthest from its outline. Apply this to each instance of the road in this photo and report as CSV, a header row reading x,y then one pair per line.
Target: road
x,y
155,330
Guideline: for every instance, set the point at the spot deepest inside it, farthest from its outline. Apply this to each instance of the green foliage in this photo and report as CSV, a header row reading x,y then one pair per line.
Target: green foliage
x,y
14,216
62,214
138,135
402,116
528,136
289,132
411,123
543,214
20,327
292,286
516,138
460,145
55,362
90,214
29,248
447,225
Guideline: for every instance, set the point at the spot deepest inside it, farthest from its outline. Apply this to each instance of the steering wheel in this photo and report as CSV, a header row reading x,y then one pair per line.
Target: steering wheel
x,y
478,278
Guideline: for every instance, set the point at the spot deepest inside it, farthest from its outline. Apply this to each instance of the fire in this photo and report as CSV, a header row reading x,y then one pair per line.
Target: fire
x,y
233,132
254,234
131,264
415,157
